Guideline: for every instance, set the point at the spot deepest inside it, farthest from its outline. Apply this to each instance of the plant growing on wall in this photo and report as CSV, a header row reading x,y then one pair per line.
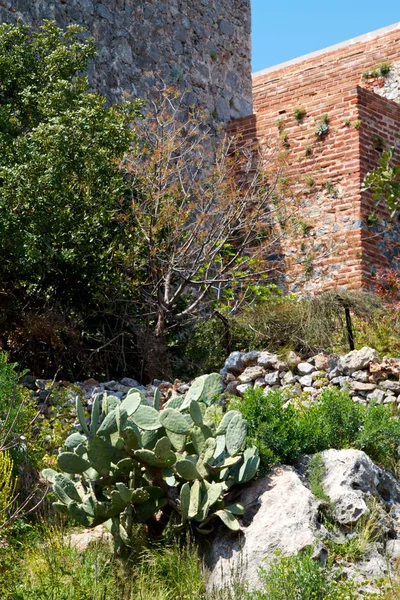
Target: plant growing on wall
x,y
322,128
299,114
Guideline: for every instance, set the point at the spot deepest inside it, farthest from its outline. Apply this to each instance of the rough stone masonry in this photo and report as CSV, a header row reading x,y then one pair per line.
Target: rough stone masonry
x,y
203,46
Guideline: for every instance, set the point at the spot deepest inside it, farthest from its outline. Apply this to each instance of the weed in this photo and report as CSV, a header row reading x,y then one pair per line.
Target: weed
x,y
280,123
357,124
322,128
309,179
299,114
285,139
308,151
333,192
347,122
300,577
384,69
315,473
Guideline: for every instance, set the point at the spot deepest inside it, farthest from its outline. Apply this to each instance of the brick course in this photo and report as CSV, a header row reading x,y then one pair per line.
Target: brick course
x,y
331,82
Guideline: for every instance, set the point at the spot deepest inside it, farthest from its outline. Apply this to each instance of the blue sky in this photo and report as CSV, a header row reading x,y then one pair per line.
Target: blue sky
x,y
285,29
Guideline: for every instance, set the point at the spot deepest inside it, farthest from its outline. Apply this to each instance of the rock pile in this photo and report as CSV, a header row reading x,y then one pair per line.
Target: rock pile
x,y
281,514
366,377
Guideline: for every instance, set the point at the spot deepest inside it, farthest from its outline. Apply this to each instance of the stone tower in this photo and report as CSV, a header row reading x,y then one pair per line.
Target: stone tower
x,y
202,45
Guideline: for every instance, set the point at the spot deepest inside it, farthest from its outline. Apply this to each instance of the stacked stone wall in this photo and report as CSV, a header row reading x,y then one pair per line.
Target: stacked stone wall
x,y
204,47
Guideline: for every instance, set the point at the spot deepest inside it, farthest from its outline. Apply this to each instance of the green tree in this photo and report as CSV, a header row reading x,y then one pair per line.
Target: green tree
x,y
60,185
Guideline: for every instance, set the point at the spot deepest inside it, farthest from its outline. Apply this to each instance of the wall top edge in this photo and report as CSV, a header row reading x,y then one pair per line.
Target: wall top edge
x,y
361,38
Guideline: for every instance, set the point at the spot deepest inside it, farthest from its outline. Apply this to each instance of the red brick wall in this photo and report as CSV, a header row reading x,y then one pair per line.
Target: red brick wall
x,y
331,83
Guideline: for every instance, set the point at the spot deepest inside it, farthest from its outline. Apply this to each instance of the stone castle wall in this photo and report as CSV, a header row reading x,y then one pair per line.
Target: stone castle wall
x,y
203,45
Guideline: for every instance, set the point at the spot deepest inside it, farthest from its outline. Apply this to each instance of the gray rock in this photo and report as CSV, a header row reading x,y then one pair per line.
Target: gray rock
x,y
250,358
231,388
335,372
129,382
350,478
251,374
360,376
305,368
306,381
234,363
280,513
272,378
359,386
342,381
240,389
267,360
358,359
288,378
376,396
393,386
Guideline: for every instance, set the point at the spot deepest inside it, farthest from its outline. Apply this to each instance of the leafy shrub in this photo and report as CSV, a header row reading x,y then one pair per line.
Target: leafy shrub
x,y
300,577
283,432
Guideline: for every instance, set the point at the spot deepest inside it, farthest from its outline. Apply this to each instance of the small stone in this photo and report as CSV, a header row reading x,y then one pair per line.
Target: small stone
x,y
376,396
281,366
310,390
240,389
358,359
335,372
229,377
129,382
288,378
359,386
267,360
393,386
231,387
293,359
306,381
250,358
272,378
110,385
260,383
305,368
91,382
251,374
234,363
321,362
341,381
361,376
40,384
319,375
389,399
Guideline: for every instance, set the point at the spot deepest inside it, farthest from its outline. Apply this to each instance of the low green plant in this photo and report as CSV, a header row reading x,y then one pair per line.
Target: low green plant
x,y
360,540
299,114
347,122
322,128
315,473
385,68
142,460
285,139
284,431
300,577
357,124
308,151
332,191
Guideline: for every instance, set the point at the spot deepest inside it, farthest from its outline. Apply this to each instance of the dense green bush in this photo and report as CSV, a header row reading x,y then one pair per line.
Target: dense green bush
x,y
283,431
61,197
300,577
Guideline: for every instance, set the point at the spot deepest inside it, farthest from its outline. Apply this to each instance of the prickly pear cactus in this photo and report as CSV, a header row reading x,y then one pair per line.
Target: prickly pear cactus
x,y
141,460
